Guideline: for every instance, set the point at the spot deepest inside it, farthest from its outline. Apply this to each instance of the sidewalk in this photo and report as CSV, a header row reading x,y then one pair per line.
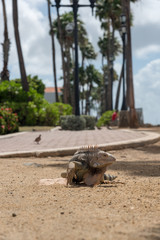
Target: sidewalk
x,y
61,143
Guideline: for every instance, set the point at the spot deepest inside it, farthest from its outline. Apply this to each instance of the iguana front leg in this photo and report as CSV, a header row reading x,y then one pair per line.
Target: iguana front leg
x,y
70,173
92,180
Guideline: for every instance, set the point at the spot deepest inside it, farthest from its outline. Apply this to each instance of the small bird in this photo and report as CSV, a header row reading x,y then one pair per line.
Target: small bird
x,y
38,139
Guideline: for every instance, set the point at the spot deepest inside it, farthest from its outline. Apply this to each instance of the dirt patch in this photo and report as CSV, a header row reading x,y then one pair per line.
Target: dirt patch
x,y
128,208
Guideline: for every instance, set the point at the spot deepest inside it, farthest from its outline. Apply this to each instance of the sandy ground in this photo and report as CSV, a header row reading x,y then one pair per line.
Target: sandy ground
x,y
128,208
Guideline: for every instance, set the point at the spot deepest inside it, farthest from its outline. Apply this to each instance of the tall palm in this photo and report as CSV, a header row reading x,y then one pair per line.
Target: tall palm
x,y
82,81
6,46
65,43
121,73
119,88
53,49
59,33
87,50
104,43
93,77
66,40
129,72
87,53
108,13
97,102
19,49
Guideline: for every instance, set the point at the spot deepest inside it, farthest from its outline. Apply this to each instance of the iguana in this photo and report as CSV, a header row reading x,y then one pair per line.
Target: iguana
x,y
89,165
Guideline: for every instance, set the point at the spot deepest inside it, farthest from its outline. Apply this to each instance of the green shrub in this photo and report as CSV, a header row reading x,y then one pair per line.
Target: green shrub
x,y
8,121
31,107
90,122
2,124
12,91
34,83
48,115
39,112
31,114
72,122
63,110
105,119
20,108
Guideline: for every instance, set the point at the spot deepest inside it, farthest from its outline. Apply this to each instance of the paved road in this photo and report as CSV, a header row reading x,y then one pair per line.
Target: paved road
x,y
58,142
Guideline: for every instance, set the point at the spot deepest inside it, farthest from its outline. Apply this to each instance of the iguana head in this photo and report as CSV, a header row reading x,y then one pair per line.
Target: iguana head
x,y
101,159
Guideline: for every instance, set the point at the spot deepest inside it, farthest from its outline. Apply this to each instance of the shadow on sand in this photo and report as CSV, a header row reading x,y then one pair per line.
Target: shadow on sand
x,y
154,149
152,233
139,168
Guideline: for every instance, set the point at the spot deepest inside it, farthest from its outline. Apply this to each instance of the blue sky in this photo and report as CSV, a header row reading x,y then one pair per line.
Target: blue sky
x,y
36,45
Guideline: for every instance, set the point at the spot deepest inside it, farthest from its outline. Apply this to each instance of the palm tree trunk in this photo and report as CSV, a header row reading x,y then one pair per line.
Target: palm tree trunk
x,y
130,88
67,51
103,98
63,62
53,51
112,62
19,49
82,84
109,90
6,46
105,93
119,88
82,100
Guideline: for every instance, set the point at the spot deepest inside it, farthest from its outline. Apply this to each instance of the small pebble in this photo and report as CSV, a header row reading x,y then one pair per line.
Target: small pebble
x,y
14,215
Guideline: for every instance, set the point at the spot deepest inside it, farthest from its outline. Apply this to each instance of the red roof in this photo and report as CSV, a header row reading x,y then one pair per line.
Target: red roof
x,y
52,89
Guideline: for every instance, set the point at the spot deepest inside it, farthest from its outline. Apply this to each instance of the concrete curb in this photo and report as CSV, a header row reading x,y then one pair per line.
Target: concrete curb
x,y
150,138
10,135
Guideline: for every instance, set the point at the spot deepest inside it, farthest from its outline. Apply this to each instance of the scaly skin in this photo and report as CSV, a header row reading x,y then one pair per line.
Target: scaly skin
x,y
88,165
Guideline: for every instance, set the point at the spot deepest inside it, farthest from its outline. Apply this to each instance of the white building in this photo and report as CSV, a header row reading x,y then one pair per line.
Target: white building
x,y
50,95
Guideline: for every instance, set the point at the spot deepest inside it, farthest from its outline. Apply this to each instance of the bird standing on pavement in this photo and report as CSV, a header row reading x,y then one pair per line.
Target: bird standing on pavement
x,y
38,139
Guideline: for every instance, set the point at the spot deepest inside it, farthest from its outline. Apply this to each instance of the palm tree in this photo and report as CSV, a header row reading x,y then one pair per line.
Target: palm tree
x,y
120,77
103,44
53,49
66,40
6,46
129,72
119,88
93,77
60,29
19,49
108,13
87,50
87,53
97,99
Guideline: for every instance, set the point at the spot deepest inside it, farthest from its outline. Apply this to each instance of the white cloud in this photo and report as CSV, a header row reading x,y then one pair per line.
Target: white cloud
x,y
146,29
147,89
145,52
146,11
35,40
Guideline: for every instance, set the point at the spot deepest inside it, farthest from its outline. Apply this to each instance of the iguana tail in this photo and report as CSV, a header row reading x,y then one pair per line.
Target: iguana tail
x,y
109,177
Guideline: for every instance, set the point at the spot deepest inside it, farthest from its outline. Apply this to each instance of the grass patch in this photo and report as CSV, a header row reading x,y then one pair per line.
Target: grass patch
x,y
34,128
